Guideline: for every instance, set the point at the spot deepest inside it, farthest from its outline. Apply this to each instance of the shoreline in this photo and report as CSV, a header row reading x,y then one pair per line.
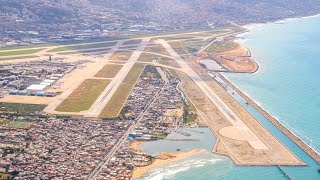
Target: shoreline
x,y
162,159
306,148
225,57
251,26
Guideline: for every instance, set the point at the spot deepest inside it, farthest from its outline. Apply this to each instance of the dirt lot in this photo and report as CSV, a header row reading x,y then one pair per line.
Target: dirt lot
x,y
121,56
237,60
27,99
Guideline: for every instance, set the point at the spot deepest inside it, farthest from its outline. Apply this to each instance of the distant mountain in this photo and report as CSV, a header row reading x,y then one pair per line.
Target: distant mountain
x,y
46,10
218,11
163,11
29,21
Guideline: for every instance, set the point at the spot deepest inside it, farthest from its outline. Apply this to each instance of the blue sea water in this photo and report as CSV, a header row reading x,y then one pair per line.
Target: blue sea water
x,y
288,82
287,86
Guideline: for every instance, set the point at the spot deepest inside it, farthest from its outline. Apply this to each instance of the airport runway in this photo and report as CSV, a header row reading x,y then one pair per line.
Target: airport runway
x,y
77,82
107,94
252,139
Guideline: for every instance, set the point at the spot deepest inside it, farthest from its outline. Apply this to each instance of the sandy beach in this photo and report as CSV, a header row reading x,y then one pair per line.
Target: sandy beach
x,y
163,159
135,146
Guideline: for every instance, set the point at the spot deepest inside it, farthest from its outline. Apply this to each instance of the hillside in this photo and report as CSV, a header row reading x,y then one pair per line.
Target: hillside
x,y
164,11
26,21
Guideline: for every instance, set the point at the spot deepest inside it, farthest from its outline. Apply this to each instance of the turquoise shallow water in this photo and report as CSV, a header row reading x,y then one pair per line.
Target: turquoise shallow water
x,y
287,86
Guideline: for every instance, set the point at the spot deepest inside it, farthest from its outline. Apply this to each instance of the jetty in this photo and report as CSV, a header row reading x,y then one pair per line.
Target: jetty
x,y
274,121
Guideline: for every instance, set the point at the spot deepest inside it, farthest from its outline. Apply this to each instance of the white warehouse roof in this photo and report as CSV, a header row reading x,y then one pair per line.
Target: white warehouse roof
x,y
45,83
49,81
37,87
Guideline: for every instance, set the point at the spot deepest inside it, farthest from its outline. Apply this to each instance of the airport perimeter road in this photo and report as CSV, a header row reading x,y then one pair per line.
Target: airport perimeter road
x,y
253,140
106,95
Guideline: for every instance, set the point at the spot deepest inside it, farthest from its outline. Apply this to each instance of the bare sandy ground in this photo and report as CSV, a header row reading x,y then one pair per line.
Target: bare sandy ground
x,y
79,74
135,145
71,81
239,51
27,99
237,60
162,159
174,112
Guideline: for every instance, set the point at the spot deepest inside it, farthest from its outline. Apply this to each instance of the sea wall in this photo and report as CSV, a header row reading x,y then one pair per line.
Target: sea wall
x,y
275,122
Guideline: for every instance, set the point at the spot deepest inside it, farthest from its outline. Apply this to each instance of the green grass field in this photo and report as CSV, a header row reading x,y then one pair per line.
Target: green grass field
x,y
21,108
109,71
84,46
178,47
146,57
84,96
169,62
173,73
16,58
157,49
195,46
19,52
18,124
114,106
218,48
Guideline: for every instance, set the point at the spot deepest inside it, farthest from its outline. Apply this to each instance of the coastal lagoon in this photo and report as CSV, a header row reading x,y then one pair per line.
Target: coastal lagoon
x,y
287,85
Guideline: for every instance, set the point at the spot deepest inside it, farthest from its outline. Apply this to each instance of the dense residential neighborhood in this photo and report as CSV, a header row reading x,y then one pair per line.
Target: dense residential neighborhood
x,y
44,147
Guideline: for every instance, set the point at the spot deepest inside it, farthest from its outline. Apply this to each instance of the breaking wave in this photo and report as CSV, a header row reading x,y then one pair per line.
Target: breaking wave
x,y
169,171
